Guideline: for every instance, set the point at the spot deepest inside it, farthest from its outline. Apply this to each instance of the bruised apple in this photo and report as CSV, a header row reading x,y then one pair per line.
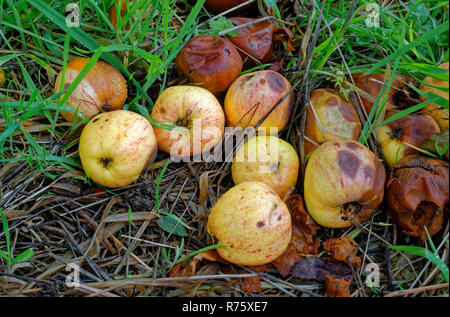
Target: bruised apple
x,y
330,117
197,116
102,89
253,95
252,221
219,6
343,181
397,137
209,61
417,193
439,113
268,159
116,146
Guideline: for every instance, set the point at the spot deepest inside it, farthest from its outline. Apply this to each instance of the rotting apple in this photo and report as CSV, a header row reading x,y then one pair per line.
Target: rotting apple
x,y
268,159
399,95
219,6
197,115
252,96
417,192
116,146
439,113
254,40
330,117
398,138
211,62
253,222
344,182
102,89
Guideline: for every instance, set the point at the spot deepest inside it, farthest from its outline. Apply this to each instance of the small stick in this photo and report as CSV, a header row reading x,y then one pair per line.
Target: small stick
x,y
417,290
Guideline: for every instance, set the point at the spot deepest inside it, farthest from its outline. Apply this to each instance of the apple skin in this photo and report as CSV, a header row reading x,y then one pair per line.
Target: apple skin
x,y
211,62
439,113
337,117
413,129
267,159
343,173
218,6
253,222
116,146
102,89
265,87
188,107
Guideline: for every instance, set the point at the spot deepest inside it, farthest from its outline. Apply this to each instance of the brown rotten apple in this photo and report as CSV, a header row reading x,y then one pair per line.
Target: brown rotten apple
x,y
343,181
399,95
330,117
102,89
439,113
116,146
209,61
253,95
268,159
397,137
417,193
197,116
218,6
252,222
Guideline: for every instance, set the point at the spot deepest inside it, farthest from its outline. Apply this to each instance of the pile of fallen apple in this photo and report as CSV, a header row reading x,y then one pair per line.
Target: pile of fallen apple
x,y
344,181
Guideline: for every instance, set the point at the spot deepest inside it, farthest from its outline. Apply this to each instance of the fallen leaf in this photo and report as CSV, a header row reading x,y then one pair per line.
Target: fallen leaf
x,y
337,287
189,269
253,284
316,269
287,260
303,226
343,249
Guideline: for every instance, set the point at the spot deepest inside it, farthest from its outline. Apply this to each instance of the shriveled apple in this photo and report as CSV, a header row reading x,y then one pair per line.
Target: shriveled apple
x,y
417,193
116,146
197,116
253,95
439,113
399,95
211,62
398,138
102,89
344,181
268,159
252,222
330,117
219,6
254,40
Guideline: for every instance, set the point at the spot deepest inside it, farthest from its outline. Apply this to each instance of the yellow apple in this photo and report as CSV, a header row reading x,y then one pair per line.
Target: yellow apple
x,y
343,180
252,221
251,96
268,159
439,113
397,137
196,113
330,117
116,146
102,89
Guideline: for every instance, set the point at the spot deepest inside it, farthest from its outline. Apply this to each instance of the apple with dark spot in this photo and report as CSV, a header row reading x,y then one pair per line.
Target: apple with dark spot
x,y
344,182
253,96
329,117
